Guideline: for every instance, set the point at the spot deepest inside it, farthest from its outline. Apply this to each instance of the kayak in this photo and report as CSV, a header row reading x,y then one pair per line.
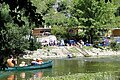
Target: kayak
x,y
44,65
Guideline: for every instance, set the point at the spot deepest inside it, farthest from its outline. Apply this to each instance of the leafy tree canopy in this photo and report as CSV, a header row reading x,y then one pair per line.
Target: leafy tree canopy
x,y
17,18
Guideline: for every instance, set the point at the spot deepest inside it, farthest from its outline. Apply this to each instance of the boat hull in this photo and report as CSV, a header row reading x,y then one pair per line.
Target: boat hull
x,y
44,65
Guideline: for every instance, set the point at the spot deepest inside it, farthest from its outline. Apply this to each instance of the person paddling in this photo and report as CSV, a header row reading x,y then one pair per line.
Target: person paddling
x,y
10,61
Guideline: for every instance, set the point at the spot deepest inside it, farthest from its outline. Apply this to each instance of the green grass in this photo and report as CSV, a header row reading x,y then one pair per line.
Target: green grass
x,y
83,76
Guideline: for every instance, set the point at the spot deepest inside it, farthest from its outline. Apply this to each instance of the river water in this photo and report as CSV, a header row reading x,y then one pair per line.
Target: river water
x,y
64,66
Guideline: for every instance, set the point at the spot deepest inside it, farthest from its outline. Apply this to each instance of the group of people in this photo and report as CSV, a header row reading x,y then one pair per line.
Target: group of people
x,y
11,62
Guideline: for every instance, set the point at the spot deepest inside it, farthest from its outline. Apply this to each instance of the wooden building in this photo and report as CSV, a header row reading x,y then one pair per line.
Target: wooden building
x,y
41,31
116,32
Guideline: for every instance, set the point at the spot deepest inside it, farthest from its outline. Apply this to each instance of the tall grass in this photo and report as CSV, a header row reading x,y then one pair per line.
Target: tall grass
x,y
83,76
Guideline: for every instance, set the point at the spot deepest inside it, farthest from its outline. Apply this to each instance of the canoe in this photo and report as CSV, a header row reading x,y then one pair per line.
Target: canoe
x,y
44,65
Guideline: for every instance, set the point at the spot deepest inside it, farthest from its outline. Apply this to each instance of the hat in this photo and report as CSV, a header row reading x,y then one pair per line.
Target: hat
x,y
34,58
23,62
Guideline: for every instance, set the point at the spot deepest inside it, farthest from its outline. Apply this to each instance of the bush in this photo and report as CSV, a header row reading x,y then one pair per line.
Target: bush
x,y
34,45
115,46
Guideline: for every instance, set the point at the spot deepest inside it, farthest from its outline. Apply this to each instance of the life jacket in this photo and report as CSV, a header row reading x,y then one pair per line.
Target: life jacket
x,y
40,60
9,62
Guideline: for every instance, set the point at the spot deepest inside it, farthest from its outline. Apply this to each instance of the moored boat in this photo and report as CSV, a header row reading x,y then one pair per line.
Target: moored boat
x,y
44,65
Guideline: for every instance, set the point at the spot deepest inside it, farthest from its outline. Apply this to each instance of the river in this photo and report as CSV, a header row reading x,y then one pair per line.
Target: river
x,y
64,66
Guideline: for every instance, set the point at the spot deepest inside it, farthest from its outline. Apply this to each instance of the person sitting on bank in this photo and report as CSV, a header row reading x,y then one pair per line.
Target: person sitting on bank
x,y
22,64
10,61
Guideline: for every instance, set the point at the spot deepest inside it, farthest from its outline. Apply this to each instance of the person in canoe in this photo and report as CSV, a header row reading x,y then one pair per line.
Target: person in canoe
x,y
39,60
10,61
22,64
36,61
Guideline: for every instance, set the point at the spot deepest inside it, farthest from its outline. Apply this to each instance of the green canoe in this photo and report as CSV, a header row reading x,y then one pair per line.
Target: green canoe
x,y
44,65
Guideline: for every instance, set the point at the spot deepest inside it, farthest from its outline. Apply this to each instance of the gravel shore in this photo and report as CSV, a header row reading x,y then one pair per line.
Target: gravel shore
x,y
64,51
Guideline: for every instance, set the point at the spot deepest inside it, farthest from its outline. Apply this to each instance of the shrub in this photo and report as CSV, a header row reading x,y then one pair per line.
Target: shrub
x,y
115,46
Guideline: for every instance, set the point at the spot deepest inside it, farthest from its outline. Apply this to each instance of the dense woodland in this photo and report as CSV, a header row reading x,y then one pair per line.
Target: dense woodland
x,y
19,17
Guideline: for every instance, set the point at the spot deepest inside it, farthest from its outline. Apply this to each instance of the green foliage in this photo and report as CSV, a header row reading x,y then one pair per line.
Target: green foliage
x,y
93,15
117,19
72,22
60,32
17,9
5,12
53,15
13,15
62,6
43,6
56,19
115,46
14,39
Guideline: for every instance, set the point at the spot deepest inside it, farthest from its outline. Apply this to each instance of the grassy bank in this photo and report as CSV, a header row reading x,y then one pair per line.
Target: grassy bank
x,y
83,76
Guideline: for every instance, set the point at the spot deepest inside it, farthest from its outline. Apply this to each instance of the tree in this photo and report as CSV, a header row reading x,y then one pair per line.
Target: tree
x,y
19,8
16,20
43,6
60,32
93,15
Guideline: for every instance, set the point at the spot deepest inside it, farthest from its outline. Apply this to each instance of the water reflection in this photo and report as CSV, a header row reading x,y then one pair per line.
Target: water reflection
x,y
38,75
11,77
24,75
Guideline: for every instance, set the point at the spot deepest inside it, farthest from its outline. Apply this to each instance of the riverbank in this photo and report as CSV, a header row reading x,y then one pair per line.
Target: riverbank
x,y
64,51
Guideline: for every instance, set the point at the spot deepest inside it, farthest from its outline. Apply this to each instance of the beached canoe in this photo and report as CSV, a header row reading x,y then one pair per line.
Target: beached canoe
x,y
44,65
